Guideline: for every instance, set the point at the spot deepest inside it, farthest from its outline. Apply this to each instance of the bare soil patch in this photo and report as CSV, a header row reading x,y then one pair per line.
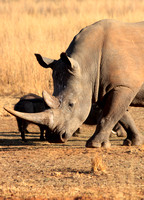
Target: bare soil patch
x,y
40,170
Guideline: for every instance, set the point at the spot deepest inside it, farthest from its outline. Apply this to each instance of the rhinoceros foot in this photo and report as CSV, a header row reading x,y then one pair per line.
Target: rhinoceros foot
x,y
93,144
127,142
121,134
136,141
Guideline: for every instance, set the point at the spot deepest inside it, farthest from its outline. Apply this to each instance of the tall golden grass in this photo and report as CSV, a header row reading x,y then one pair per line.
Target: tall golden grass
x,y
47,27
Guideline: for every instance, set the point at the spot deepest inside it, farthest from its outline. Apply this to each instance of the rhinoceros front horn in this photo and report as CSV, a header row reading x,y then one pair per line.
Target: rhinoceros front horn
x,y
43,118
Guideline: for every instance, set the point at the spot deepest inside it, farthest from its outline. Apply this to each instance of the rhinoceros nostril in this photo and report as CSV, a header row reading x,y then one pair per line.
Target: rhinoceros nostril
x,y
64,137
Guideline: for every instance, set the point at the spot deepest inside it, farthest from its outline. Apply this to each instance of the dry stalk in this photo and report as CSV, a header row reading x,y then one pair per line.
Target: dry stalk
x,y
97,164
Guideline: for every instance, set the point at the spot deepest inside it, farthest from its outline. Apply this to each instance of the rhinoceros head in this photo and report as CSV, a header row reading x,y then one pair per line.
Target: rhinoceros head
x,y
69,105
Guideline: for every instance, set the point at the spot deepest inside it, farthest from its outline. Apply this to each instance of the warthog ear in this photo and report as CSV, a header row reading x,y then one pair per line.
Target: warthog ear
x,y
45,62
72,64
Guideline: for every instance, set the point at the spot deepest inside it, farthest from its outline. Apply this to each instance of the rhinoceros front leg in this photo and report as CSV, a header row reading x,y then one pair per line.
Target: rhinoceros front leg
x,y
115,106
133,135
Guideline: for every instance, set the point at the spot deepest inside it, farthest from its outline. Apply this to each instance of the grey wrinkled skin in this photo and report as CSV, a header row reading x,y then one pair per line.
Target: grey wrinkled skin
x,y
30,103
93,118
104,63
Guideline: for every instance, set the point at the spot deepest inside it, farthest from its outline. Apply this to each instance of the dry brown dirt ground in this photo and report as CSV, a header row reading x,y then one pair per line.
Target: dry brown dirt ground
x,y
36,170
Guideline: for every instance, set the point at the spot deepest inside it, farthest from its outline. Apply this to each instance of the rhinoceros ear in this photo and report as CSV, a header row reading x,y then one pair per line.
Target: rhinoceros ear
x,y
72,64
65,59
45,62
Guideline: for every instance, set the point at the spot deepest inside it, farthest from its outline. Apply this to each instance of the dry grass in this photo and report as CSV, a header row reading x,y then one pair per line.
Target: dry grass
x,y
47,27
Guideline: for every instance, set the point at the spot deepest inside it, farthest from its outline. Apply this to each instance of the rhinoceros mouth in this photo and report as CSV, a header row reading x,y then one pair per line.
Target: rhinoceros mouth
x,y
53,137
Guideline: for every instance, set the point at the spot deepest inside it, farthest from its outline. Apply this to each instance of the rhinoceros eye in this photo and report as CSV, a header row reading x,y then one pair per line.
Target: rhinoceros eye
x,y
71,104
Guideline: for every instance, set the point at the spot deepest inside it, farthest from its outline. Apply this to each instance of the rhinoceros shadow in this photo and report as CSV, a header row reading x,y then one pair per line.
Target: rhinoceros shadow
x,y
12,140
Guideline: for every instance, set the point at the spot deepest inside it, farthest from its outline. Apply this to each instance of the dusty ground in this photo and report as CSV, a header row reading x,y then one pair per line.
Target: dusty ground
x,y
39,170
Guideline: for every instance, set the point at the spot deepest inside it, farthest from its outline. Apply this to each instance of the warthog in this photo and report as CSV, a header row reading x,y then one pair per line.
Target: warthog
x,y
104,63
30,103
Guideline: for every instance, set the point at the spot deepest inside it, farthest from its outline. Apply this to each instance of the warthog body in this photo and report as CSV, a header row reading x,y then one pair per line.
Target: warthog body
x,y
30,103
105,64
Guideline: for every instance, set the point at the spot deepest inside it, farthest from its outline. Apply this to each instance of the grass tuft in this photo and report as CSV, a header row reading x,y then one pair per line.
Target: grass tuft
x,y
97,164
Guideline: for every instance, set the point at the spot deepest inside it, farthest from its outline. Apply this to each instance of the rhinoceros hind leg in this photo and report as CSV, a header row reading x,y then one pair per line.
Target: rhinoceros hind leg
x,y
134,142
133,135
119,131
127,142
